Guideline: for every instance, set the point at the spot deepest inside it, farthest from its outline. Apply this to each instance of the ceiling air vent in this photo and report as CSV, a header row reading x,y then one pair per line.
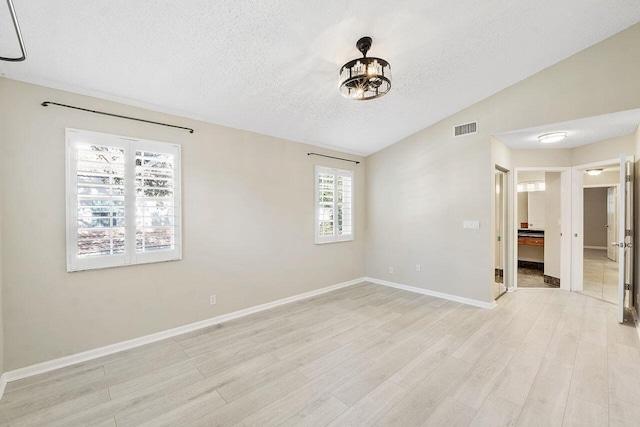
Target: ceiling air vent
x,y
465,129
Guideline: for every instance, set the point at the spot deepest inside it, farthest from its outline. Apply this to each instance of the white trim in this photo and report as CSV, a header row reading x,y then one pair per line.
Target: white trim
x,y
596,247
601,185
463,300
62,362
611,162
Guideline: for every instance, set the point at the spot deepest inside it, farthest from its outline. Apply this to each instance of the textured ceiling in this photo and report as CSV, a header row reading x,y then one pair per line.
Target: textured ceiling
x,y
272,66
579,132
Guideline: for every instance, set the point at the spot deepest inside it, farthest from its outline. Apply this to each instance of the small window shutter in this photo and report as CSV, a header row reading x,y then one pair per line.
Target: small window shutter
x,y
345,205
326,198
155,208
100,181
334,205
157,201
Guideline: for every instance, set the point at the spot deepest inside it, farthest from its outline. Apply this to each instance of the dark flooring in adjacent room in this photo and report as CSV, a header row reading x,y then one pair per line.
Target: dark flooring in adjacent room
x,y
532,278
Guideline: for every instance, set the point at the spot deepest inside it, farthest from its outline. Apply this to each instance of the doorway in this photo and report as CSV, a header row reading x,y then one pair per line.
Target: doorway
x,y
600,228
607,264
501,216
542,217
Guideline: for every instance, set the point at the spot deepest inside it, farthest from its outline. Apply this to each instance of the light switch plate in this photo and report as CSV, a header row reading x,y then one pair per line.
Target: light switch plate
x,y
472,225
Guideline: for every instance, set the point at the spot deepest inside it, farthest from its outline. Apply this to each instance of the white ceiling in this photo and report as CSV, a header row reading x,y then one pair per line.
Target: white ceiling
x,y
579,132
272,66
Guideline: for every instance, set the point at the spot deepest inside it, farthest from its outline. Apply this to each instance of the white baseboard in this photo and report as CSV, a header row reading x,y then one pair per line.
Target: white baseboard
x,y
442,295
604,248
62,362
51,365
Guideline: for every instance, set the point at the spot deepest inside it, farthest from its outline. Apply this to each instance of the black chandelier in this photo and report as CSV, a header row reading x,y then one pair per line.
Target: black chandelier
x,y
365,78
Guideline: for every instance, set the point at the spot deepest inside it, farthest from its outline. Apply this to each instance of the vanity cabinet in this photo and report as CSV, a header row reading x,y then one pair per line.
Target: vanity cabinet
x,y
531,241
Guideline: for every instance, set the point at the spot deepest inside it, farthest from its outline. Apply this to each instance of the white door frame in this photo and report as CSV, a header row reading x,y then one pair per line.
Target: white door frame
x,y
507,222
565,208
577,208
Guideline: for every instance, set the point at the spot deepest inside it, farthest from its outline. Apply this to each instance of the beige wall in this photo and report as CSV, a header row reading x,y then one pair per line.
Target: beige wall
x,y
530,253
523,208
603,150
541,158
530,176
605,178
552,227
595,217
421,189
248,229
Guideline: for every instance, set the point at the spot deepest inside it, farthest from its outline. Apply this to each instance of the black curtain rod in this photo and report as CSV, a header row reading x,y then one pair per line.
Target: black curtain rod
x,y
331,157
47,103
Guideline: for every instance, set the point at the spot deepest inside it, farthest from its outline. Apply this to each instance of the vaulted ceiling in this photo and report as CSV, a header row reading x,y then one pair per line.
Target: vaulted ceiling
x,y
272,66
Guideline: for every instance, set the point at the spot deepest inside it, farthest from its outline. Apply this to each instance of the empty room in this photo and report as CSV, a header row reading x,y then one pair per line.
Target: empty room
x,y
258,213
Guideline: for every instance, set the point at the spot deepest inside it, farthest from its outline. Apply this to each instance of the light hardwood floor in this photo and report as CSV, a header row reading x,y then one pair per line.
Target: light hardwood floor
x,y
363,355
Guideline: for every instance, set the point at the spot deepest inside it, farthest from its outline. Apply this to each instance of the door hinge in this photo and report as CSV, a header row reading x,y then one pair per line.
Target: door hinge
x,y
627,287
627,233
627,178
499,238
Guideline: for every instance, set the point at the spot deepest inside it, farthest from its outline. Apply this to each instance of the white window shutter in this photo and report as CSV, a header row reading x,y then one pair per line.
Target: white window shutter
x,y
157,202
103,182
333,205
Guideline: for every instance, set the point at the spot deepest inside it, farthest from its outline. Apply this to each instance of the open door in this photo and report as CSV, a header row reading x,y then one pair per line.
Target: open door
x,y
625,235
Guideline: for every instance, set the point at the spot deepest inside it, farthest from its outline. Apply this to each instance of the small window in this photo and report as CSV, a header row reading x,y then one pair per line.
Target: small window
x,y
123,201
334,205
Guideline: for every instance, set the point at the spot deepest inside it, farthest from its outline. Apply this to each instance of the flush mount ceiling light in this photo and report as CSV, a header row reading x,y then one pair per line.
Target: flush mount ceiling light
x,y
594,172
365,78
549,138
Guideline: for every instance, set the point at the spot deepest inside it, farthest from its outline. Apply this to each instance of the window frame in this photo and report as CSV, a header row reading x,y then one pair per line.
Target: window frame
x,y
335,238
130,255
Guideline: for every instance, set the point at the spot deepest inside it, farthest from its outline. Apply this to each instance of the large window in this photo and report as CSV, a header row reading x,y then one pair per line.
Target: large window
x,y
334,205
123,201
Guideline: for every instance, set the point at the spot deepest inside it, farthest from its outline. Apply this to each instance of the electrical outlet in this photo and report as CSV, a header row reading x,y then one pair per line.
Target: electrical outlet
x,y
212,300
417,267
391,270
